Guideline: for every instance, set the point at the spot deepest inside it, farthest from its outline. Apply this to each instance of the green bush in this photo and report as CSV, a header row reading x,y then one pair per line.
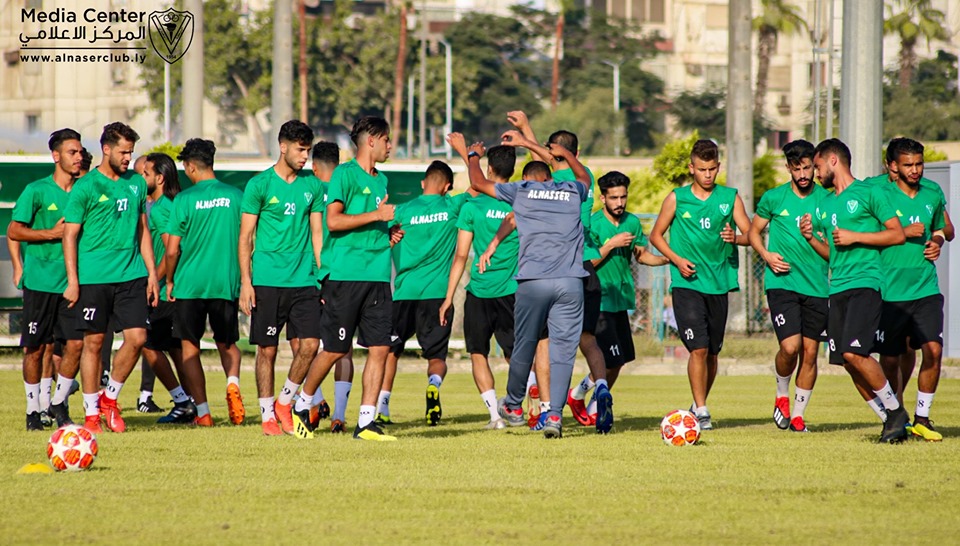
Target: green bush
x,y
172,150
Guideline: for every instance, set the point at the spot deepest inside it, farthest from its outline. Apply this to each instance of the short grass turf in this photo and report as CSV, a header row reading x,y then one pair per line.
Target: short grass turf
x,y
746,483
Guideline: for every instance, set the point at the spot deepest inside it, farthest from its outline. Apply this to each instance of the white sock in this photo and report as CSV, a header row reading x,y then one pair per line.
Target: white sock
x,y
800,399
91,404
287,392
592,407
701,410
888,397
144,395
317,396
62,390
178,394
490,400
531,379
266,409
582,388
383,404
924,401
435,380
341,396
602,383
113,389
33,397
203,409
45,384
877,406
544,407
233,380
304,402
783,385
367,414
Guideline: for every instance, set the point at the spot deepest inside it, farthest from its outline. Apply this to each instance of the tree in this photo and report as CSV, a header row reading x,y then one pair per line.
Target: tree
x,y
915,20
398,76
927,109
778,17
706,111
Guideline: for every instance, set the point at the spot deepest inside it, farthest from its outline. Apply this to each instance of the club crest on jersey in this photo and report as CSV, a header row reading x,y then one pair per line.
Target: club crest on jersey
x,y
725,208
308,196
929,209
133,189
852,206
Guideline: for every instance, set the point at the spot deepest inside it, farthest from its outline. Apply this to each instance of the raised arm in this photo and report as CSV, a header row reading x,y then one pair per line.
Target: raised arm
x,y
518,119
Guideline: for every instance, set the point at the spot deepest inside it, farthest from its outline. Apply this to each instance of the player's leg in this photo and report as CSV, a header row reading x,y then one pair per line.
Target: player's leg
x,y
602,398
538,384
47,371
160,342
532,305
265,334
717,308
70,337
39,315
479,318
375,329
130,310
299,308
224,322
404,326
565,321
434,341
928,328
343,383
189,323
691,312
148,382
94,309
806,379
786,316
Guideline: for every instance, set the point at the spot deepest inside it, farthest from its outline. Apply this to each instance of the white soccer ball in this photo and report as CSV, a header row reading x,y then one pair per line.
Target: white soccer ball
x,y
72,448
680,428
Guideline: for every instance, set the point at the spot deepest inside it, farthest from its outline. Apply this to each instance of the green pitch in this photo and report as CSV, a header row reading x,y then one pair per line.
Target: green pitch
x,y
747,482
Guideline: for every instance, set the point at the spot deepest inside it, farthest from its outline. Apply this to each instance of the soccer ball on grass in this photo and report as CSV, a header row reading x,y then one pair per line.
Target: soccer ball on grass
x,y
72,448
680,428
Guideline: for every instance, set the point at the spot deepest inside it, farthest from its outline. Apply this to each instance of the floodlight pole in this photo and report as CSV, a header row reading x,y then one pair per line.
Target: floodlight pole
x,y
861,98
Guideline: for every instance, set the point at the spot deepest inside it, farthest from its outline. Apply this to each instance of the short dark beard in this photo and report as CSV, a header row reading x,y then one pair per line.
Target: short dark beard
x,y
615,215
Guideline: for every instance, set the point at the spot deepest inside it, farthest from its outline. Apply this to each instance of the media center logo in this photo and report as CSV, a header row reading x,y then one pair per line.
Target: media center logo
x,y
168,30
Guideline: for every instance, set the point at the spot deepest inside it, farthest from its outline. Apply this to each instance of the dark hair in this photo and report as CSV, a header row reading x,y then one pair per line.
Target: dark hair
x,y
441,170
836,147
613,179
704,150
57,138
198,150
893,150
369,126
796,151
165,167
86,159
326,152
901,146
113,132
566,139
502,160
536,169
296,131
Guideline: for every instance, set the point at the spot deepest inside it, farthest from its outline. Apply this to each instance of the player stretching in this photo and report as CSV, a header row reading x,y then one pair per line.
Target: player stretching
x,y
912,303
704,264
857,220
38,222
489,305
110,269
357,216
283,206
795,280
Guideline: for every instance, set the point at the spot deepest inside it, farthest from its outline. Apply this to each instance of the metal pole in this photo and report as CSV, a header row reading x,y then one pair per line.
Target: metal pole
x,y
423,81
830,53
302,69
817,85
739,103
618,129
166,102
448,126
861,100
192,102
410,113
281,90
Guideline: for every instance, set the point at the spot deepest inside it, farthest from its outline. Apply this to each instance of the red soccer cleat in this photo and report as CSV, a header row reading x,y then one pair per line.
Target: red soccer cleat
x,y
110,412
92,423
781,412
579,409
285,416
271,428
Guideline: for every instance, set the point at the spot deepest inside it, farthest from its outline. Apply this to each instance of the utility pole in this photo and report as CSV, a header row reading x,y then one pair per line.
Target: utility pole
x,y
192,104
281,90
739,103
448,125
423,81
861,101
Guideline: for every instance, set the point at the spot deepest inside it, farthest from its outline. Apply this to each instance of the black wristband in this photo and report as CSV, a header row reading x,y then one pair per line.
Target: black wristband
x,y
472,153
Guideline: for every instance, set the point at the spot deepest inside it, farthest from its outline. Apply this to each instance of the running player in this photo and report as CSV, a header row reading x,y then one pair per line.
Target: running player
x,y
357,216
283,206
422,261
489,305
912,302
38,223
704,261
857,220
110,269
795,280
203,284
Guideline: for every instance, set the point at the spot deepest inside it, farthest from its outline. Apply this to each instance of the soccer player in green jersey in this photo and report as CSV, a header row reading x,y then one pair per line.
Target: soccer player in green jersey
x,y
912,315
422,261
704,262
795,280
283,206
110,268
488,310
37,229
857,220
357,293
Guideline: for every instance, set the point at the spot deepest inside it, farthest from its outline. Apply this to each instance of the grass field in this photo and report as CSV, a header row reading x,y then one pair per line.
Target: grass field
x,y
746,483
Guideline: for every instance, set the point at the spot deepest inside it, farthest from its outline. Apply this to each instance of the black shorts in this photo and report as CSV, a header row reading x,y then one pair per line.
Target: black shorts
x,y
422,317
46,318
352,305
486,317
615,338
160,327
124,302
853,322
591,299
191,316
296,308
793,313
701,319
921,320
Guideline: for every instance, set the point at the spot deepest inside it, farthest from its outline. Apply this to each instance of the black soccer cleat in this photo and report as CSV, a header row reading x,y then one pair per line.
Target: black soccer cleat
x,y
33,421
60,414
434,411
183,413
148,406
895,427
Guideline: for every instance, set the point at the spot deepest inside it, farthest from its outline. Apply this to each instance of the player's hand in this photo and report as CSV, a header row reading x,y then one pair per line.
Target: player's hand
x,y
17,275
560,152
153,292
71,294
621,240
931,251
458,144
513,138
776,263
484,261
477,147
385,211
396,234
248,298
844,237
806,226
518,119
686,267
56,232
915,229
445,307
169,287
728,234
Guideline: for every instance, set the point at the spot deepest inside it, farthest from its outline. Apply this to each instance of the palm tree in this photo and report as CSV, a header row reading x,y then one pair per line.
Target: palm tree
x,y
778,17
398,74
917,19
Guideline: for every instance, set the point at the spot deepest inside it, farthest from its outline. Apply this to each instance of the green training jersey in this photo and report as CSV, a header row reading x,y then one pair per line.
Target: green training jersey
x,y
482,216
925,182
862,207
108,211
459,200
283,254
41,206
907,275
590,250
424,256
325,256
157,218
616,277
206,217
695,236
784,209
361,254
